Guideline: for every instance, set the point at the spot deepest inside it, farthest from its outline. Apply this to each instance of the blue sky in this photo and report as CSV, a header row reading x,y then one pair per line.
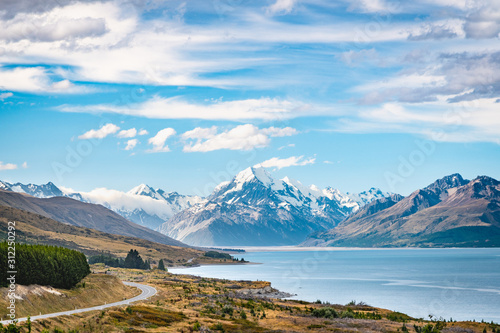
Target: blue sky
x,y
182,95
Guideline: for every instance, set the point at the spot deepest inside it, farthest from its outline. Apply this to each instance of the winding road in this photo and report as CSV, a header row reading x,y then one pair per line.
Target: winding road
x,y
146,292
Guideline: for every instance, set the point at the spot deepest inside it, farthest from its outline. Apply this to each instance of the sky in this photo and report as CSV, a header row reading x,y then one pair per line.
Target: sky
x,y
182,95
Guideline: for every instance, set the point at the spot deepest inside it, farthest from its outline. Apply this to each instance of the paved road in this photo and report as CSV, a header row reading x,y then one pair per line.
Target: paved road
x,y
147,292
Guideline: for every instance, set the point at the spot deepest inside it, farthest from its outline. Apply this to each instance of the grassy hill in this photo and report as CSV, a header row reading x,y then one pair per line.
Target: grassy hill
x,y
95,289
38,229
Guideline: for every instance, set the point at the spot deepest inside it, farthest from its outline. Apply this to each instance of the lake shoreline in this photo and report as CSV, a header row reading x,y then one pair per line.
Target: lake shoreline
x,y
416,281
287,248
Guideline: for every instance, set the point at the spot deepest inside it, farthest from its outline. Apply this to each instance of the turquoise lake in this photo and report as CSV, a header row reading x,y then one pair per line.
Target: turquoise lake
x,y
463,284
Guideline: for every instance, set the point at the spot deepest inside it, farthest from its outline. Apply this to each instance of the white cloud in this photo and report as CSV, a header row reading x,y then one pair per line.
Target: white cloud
x,y
120,200
200,133
109,41
242,137
131,144
158,141
279,132
452,76
280,163
7,166
373,6
25,165
353,58
484,22
101,133
143,132
328,162
177,108
281,7
130,133
5,95
48,28
35,80
287,146
441,121
438,30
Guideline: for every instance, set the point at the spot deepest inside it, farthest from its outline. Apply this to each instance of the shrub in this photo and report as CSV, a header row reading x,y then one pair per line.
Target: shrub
x,y
326,312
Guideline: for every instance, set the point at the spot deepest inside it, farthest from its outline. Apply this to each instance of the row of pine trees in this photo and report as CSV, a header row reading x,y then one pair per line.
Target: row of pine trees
x,y
133,260
44,265
56,266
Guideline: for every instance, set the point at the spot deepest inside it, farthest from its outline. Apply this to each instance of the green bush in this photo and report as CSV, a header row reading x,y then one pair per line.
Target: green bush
x,y
326,312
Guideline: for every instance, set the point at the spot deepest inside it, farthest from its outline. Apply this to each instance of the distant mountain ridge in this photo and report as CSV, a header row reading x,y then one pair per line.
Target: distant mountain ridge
x,y
255,209
452,211
142,204
77,213
153,208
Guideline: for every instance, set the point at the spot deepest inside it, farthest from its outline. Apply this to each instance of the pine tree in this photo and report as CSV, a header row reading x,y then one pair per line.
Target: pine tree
x,y
134,260
161,265
47,265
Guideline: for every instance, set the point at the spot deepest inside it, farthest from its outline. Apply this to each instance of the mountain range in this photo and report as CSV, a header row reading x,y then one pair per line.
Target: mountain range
x,y
252,209
255,209
142,204
77,213
452,211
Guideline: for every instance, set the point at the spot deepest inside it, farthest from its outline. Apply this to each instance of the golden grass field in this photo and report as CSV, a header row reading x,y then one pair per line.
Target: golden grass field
x,y
187,303
95,289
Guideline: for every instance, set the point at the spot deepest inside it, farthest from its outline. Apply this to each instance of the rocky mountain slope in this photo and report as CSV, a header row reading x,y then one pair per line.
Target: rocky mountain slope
x,y
255,209
449,212
77,213
142,204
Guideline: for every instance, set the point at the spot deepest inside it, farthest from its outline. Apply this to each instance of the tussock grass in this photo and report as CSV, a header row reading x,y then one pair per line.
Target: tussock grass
x,y
95,289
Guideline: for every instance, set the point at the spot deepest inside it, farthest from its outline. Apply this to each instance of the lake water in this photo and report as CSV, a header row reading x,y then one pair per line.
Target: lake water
x,y
460,283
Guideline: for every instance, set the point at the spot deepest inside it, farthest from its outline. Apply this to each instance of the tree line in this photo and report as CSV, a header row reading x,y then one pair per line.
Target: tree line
x,y
133,260
44,265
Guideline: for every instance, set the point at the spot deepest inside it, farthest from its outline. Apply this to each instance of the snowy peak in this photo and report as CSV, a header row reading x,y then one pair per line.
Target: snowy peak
x,y
365,197
256,173
177,201
254,208
255,185
247,185
4,186
40,191
143,189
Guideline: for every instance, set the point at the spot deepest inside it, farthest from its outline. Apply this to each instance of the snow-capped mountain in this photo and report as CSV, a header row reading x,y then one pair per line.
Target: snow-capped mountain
x,y
255,209
366,197
452,211
251,209
40,191
142,205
